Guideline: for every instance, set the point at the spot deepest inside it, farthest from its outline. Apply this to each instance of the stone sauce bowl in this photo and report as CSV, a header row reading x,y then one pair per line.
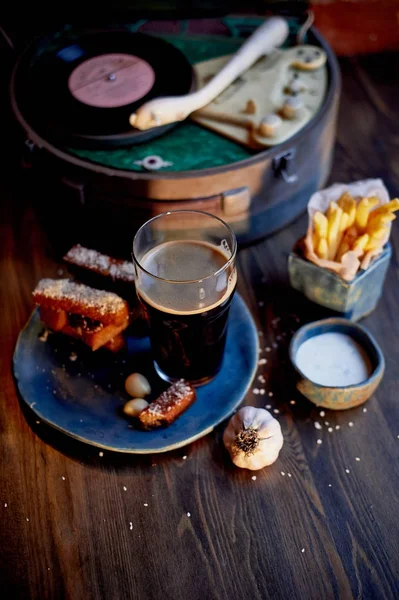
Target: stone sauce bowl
x,y
339,398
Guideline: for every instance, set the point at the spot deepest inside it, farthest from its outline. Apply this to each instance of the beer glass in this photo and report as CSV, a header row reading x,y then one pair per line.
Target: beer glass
x,y
185,280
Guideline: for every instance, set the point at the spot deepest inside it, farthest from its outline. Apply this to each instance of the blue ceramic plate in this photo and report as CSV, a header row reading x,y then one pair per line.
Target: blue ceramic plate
x,y
83,398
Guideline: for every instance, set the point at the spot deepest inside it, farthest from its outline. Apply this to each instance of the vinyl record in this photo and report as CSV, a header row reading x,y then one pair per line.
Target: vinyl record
x,y
82,91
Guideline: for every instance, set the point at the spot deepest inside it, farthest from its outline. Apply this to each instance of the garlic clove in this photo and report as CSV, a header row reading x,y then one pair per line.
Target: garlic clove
x,y
137,385
134,407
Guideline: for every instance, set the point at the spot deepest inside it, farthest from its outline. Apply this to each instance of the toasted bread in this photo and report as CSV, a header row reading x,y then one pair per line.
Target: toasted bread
x,y
118,270
93,316
79,299
168,406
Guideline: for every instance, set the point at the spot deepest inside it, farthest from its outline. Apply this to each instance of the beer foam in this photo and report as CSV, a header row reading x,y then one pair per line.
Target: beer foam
x,y
187,277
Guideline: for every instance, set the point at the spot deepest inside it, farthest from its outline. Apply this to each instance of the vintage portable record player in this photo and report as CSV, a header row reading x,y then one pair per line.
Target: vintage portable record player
x,y
256,168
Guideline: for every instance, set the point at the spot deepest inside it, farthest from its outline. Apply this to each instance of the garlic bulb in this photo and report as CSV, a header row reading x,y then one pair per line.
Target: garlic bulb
x,y
253,438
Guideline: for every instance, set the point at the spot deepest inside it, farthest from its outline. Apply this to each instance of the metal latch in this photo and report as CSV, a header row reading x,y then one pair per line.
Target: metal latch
x,y
235,202
284,166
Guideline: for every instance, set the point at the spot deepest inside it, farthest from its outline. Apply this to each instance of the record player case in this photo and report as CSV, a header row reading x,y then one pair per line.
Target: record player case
x,y
256,193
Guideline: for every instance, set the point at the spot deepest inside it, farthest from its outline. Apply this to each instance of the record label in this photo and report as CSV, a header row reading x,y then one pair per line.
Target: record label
x,y
111,80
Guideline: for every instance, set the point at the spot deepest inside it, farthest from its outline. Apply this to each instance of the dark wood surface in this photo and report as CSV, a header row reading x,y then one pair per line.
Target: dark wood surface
x,y
322,533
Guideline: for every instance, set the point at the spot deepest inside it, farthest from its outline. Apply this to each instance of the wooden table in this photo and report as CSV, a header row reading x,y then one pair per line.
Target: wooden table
x,y
305,528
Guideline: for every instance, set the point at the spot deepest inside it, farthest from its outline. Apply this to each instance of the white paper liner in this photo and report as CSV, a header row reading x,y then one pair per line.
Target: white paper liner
x,y
351,261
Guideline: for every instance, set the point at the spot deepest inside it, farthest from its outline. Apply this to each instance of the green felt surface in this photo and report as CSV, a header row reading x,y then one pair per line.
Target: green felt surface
x,y
189,146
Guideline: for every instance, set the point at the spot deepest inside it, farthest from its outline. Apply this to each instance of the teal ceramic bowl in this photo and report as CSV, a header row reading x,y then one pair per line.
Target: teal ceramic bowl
x,y
339,398
349,299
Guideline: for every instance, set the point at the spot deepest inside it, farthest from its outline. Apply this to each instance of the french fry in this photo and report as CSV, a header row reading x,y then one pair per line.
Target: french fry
x,y
379,220
351,235
351,211
343,224
344,200
320,224
322,248
373,201
362,214
333,230
348,205
343,249
361,242
363,210
332,208
341,230
389,207
376,239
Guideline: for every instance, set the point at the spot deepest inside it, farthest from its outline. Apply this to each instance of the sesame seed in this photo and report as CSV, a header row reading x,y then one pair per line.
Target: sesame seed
x,y
319,441
256,391
5,504
292,402
63,478
282,473
270,394
253,477
124,488
130,525
317,425
189,515
350,424
364,409
37,422
184,457
261,303
303,550
268,406
322,413
289,474
145,503
27,519
357,458
337,427
329,485
347,471
268,349
276,411
330,429
326,423
262,392
262,361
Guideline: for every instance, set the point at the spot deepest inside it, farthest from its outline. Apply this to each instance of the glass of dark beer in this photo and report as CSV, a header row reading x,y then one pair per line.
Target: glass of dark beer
x,y
185,280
